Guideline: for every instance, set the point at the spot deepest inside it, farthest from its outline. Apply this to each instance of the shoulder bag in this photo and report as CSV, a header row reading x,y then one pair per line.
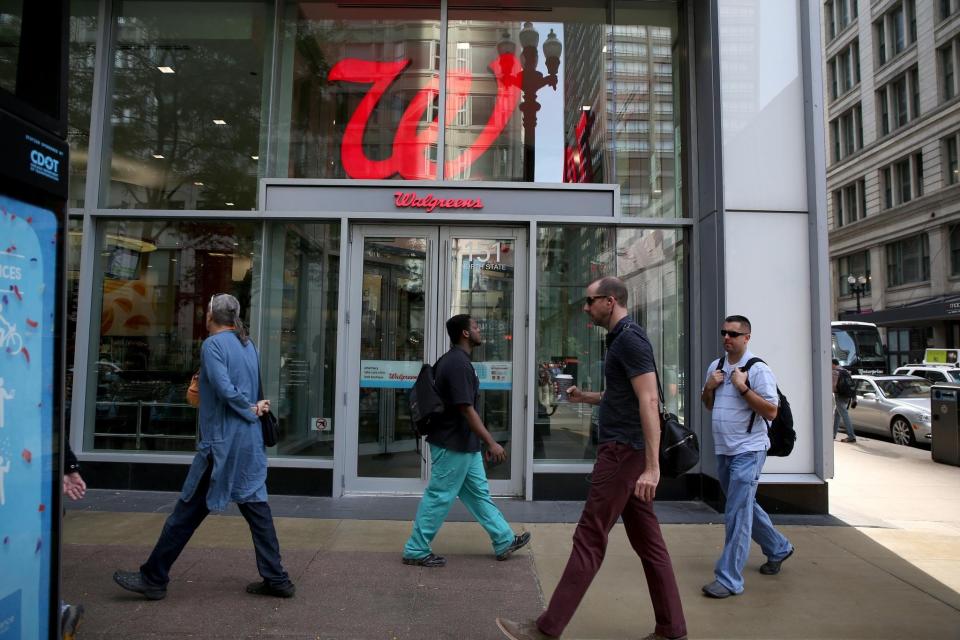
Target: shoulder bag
x,y
269,423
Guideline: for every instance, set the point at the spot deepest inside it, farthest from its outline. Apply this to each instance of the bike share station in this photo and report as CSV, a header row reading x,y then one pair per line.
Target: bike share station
x,y
33,191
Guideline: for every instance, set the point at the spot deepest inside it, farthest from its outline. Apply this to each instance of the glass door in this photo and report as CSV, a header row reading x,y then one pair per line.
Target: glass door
x,y
405,283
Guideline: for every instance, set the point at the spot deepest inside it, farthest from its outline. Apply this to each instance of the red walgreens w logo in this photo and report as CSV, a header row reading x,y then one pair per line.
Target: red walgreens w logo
x,y
412,140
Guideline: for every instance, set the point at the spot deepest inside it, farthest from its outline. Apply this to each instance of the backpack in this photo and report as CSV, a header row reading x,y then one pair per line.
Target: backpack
x,y
780,429
845,387
426,405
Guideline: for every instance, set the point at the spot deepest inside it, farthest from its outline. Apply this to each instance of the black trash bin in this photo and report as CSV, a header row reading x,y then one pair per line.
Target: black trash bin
x,y
945,428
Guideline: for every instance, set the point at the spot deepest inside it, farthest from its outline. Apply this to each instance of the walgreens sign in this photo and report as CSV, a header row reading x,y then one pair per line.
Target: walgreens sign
x,y
412,141
429,202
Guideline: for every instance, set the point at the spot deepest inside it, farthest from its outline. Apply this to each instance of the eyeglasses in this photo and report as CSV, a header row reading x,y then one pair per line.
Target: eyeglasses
x,y
591,299
732,334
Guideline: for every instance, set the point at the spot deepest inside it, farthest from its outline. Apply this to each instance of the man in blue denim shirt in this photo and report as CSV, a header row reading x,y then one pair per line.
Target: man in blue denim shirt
x,y
735,397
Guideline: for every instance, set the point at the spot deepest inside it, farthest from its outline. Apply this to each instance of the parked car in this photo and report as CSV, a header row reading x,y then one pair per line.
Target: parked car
x,y
895,406
933,372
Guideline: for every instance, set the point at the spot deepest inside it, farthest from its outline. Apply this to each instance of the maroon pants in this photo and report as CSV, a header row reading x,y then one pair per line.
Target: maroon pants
x,y
611,495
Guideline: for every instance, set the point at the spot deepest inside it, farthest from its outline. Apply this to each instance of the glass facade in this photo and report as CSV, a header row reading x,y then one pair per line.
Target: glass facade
x,y
570,350
186,104
154,279
197,111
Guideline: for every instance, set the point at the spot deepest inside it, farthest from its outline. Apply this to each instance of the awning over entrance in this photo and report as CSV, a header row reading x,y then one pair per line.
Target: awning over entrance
x,y
925,310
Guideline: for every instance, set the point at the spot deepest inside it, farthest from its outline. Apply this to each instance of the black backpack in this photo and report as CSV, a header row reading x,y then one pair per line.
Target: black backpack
x,y
426,405
780,429
845,386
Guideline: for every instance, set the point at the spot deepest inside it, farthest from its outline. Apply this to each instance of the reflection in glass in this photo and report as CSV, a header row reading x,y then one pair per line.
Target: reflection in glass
x,y
524,91
569,349
359,91
157,277
81,61
74,240
483,286
644,75
300,333
185,115
11,24
392,330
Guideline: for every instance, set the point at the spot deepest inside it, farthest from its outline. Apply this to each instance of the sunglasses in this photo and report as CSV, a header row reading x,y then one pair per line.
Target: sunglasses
x,y
732,334
591,299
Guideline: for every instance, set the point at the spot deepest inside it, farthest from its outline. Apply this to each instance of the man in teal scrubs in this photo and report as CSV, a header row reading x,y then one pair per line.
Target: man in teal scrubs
x,y
457,466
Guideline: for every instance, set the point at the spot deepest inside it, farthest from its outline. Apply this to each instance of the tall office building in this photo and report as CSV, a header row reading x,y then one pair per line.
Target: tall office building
x,y
893,182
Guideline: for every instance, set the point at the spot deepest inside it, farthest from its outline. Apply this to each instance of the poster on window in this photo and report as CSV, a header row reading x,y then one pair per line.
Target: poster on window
x,y
27,296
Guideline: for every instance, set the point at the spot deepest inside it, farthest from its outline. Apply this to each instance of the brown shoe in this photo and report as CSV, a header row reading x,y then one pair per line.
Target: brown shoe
x,y
521,630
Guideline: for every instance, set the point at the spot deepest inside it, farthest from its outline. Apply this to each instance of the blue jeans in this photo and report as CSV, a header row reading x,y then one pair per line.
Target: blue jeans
x,y
840,413
185,519
454,474
744,519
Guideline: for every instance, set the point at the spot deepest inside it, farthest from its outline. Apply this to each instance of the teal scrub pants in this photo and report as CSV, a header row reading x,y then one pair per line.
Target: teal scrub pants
x,y
453,474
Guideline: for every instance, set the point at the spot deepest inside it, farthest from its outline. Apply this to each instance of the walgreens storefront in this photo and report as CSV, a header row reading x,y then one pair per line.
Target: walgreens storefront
x,y
355,175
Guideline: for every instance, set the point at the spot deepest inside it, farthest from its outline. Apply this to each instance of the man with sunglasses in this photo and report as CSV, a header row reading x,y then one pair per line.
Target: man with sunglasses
x,y
624,479
735,397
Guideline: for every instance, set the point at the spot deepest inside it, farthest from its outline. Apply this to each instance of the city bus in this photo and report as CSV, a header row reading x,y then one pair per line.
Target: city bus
x,y
858,347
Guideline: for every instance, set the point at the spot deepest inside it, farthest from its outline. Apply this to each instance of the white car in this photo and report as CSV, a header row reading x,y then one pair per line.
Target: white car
x,y
935,373
895,406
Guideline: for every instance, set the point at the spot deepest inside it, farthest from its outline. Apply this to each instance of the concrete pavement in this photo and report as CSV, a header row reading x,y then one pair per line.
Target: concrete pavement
x,y
874,577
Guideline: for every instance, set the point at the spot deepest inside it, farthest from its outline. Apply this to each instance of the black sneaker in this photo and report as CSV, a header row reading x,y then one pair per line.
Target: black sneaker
x,y
263,588
519,542
133,581
772,567
70,618
431,561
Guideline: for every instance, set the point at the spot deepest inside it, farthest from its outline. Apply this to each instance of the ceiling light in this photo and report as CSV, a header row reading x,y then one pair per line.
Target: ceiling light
x,y
198,184
229,204
254,157
158,156
585,107
166,70
218,121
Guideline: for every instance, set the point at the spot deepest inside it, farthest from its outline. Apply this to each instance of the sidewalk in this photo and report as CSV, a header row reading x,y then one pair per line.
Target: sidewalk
x,y
842,583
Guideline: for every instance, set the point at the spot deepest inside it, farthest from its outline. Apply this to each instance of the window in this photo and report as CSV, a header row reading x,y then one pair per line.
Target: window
x,y
948,8
83,39
955,250
908,260
849,203
901,181
947,61
838,15
568,257
844,70
856,265
902,176
156,277
895,30
186,105
951,170
899,101
847,133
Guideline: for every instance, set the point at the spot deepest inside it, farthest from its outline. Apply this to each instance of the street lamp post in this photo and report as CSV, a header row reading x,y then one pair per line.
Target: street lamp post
x,y
858,284
531,81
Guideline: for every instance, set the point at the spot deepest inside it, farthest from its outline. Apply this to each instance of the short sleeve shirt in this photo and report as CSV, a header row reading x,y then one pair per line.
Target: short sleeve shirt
x,y
731,413
457,384
629,354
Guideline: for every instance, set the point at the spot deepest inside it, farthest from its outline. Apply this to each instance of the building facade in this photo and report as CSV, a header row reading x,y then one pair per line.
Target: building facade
x,y
356,174
893,179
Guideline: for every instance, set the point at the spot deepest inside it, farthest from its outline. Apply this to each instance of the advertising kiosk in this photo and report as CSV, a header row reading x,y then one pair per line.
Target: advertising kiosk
x,y
33,188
